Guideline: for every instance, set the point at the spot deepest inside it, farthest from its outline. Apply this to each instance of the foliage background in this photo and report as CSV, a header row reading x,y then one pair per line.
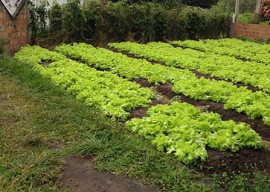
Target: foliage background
x,y
143,21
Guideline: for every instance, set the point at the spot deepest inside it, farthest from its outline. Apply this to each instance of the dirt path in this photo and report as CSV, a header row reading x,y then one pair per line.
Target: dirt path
x,y
81,176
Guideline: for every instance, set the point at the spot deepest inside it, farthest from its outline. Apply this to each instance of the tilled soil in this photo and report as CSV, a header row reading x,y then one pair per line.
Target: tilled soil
x,y
257,125
141,112
166,90
243,161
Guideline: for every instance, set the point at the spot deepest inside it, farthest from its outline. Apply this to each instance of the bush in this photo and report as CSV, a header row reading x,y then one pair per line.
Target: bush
x,y
176,24
169,3
200,3
55,16
218,23
38,16
141,22
159,19
74,21
113,23
245,18
148,22
196,22
92,15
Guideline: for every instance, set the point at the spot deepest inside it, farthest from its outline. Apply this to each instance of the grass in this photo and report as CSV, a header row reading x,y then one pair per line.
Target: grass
x,y
245,18
40,126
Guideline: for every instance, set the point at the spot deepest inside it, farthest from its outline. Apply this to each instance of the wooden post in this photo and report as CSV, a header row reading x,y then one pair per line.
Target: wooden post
x,y
256,15
234,18
236,12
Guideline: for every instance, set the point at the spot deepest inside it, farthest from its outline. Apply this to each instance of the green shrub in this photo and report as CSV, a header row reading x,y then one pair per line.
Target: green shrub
x,y
92,15
148,22
218,23
113,23
200,3
196,22
159,18
38,16
55,16
141,22
176,24
245,18
74,21
169,3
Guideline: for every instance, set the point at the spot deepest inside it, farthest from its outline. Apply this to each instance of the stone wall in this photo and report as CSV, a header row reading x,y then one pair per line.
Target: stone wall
x,y
254,31
14,30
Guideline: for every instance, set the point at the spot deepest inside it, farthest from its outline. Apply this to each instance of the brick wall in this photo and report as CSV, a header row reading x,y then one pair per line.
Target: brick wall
x,y
14,30
254,31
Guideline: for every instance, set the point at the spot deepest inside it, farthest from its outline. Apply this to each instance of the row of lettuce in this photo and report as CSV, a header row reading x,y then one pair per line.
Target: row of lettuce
x,y
179,128
234,47
102,90
241,99
220,66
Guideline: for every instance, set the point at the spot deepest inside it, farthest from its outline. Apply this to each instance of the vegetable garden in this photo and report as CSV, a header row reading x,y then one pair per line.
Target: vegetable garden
x,y
126,77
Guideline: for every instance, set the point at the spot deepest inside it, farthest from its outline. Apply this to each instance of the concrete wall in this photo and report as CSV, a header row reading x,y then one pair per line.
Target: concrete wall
x,y
254,31
14,30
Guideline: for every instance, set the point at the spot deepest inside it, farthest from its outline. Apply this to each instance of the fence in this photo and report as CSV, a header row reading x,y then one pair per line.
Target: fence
x,y
254,31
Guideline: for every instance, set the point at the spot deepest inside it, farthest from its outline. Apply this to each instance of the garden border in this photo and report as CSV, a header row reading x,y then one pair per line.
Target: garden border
x,y
254,31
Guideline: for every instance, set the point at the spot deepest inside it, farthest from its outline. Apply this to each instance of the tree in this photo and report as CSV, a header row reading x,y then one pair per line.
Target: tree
x,y
256,15
103,2
200,3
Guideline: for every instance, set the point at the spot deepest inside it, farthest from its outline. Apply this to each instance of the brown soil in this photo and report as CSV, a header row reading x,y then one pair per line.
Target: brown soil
x,y
133,56
80,176
166,90
257,125
243,161
45,63
141,112
208,76
142,82
52,41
